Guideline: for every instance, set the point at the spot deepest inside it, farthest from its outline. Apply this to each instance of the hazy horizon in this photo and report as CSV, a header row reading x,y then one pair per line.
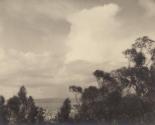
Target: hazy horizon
x,y
47,45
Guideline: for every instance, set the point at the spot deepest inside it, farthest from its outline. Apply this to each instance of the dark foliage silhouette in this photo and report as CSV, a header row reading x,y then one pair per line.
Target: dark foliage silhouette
x,y
3,112
20,110
125,94
64,114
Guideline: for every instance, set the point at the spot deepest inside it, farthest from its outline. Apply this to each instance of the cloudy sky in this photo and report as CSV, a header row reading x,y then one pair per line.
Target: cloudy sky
x,y
48,45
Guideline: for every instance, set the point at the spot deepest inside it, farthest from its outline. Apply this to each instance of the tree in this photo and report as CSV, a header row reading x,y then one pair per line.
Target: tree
x,y
13,105
105,80
22,94
3,112
64,114
90,97
90,94
99,76
32,111
142,52
110,102
76,90
131,108
22,109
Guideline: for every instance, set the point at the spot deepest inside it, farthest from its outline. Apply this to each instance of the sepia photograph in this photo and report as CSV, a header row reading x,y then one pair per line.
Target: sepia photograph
x,y
77,62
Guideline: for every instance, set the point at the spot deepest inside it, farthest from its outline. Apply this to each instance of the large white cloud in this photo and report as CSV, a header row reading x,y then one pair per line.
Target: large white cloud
x,y
95,35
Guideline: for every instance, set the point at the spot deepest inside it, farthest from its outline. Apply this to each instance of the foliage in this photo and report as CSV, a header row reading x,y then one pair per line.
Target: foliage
x,y
64,114
126,93
20,110
76,90
3,112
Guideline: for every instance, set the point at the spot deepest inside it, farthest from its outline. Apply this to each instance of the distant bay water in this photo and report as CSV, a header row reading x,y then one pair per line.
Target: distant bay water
x,y
50,104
